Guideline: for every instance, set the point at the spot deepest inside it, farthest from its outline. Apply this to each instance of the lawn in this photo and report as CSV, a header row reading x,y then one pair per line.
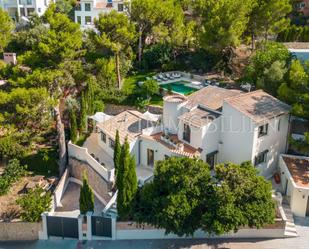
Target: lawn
x,y
43,162
130,87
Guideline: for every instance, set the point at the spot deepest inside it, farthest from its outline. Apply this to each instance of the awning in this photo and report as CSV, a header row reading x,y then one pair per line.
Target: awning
x,y
100,117
150,116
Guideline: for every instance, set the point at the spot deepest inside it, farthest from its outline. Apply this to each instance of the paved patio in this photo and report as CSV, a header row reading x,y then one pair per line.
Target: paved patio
x,y
144,173
70,201
99,154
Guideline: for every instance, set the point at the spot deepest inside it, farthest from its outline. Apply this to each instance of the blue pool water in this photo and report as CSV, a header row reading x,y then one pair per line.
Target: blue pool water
x,y
301,55
179,87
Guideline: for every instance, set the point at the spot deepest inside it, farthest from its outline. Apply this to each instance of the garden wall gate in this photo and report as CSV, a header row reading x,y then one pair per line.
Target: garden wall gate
x,y
64,227
101,226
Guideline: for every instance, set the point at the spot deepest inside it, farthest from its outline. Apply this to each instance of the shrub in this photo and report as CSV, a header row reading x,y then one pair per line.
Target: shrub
x,y
33,204
12,173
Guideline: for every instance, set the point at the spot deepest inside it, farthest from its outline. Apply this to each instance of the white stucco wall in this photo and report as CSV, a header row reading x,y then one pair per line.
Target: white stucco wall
x,y
274,141
236,136
298,195
241,142
171,112
159,150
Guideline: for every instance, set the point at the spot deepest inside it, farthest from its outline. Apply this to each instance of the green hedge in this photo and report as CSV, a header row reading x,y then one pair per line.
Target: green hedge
x,y
294,34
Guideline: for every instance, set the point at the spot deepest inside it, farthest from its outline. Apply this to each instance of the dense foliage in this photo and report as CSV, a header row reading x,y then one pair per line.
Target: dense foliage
x,y
183,197
33,204
273,69
12,173
6,29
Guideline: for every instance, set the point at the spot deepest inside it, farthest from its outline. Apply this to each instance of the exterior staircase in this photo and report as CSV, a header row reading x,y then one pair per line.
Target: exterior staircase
x,y
290,228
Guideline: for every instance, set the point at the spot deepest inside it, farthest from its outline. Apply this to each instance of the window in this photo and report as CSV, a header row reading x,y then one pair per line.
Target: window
x,y
29,2
45,2
211,159
166,157
87,19
150,157
103,135
120,7
30,11
87,7
39,10
22,11
279,121
186,133
261,158
79,19
111,143
263,129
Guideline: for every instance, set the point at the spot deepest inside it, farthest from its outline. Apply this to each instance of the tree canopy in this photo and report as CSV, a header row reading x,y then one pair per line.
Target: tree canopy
x,y
183,197
117,34
6,28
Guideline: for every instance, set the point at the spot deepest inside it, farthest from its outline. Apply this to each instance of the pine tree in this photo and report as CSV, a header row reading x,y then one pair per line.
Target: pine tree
x,y
126,182
117,152
83,113
86,198
73,126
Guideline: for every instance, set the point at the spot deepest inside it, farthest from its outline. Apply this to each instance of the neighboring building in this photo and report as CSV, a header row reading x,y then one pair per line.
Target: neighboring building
x,y
87,10
214,124
294,172
24,8
302,6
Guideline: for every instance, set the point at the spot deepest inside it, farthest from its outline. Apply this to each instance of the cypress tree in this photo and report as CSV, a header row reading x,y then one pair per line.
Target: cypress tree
x,y
126,182
117,152
73,126
86,198
90,96
83,113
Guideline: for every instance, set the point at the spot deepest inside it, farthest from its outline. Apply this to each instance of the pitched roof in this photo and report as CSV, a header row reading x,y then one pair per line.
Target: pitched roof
x,y
258,105
198,117
187,151
299,169
128,123
211,97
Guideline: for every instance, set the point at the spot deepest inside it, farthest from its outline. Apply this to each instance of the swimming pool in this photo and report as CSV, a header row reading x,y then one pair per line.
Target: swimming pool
x,y
179,87
301,54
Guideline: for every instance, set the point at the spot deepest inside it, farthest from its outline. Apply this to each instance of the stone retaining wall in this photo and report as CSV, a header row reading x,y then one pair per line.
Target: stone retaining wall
x,y
78,168
18,230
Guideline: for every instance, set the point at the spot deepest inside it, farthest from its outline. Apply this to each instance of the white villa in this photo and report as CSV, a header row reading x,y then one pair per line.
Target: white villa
x,y
88,10
24,8
214,124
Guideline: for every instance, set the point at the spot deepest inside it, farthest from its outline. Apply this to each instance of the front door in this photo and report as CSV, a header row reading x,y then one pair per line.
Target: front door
x,y
211,159
150,157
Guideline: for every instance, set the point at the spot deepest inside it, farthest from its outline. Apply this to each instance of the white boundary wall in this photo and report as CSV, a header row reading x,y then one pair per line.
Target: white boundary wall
x,y
60,189
82,154
160,234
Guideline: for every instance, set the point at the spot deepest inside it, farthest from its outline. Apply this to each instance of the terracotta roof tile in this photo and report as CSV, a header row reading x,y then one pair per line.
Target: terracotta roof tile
x,y
299,169
128,123
211,97
198,117
188,151
258,105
